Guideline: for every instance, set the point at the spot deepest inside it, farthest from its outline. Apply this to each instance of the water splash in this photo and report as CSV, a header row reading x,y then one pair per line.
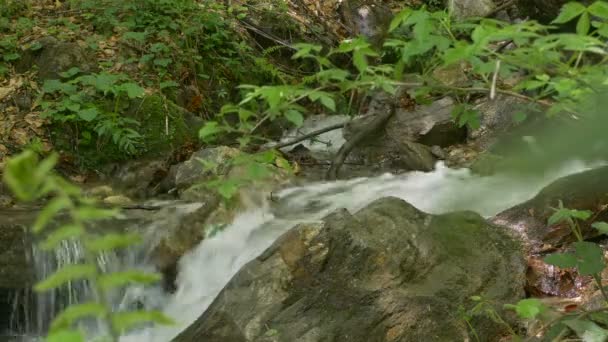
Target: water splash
x,y
204,271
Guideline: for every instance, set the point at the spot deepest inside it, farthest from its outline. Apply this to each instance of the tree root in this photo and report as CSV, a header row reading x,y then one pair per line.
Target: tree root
x,y
377,123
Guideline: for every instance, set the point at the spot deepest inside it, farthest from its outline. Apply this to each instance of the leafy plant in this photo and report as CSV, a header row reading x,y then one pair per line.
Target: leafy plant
x,y
92,104
588,259
31,180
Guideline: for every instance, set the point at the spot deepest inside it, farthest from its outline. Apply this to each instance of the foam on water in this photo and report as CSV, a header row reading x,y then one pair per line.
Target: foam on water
x,y
205,271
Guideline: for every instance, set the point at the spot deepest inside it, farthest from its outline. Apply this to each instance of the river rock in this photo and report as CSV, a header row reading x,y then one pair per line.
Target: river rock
x,y
54,57
462,9
430,125
387,273
587,190
194,171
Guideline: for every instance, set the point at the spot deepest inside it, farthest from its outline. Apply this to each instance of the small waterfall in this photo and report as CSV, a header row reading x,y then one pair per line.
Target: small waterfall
x,y
205,270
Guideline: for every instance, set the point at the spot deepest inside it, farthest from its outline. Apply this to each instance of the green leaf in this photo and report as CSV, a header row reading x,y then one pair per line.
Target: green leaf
x,y
519,116
119,279
24,175
328,102
599,9
590,257
561,260
563,214
133,90
587,330
295,117
123,321
63,233
112,241
400,18
602,227
228,188
71,72
88,114
569,11
529,308
168,84
210,129
64,275
360,61
66,336
583,24
75,312
49,211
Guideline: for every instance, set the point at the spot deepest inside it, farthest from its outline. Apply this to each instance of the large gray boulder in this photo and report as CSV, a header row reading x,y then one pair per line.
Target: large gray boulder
x,y
387,273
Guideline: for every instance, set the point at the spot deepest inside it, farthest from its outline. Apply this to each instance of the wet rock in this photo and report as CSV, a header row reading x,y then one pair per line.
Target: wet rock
x,y
587,190
387,273
497,118
193,170
139,178
180,228
542,10
429,125
54,57
117,200
15,269
370,19
324,146
462,9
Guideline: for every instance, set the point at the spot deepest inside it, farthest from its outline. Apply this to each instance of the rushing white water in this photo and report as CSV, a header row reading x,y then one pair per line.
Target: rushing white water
x,y
205,270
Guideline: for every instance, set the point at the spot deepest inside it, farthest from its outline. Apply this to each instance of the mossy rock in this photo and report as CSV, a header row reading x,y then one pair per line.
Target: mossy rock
x,y
164,125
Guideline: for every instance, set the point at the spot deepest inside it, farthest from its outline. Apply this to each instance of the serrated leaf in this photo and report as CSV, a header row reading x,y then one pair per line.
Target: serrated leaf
x,y
123,321
119,279
590,258
328,102
599,9
49,211
295,117
75,312
587,330
88,114
569,11
602,227
66,232
228,188
133,90
529,308
360,61
64,275
66,336
563,214
112,241
583,24
210,129
561,260
399,19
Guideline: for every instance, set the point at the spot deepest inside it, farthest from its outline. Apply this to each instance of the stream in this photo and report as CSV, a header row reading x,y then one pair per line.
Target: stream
x,y
204,271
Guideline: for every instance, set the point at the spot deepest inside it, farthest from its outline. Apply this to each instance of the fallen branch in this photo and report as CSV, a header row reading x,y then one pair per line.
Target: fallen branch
x,y
306,136
375,124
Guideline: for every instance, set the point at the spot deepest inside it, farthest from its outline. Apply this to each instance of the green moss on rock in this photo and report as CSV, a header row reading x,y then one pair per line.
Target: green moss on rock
x,y
163,125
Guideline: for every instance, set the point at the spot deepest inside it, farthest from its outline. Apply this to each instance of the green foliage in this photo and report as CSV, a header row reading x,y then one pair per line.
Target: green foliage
x,y
588,259
31,180
93,104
